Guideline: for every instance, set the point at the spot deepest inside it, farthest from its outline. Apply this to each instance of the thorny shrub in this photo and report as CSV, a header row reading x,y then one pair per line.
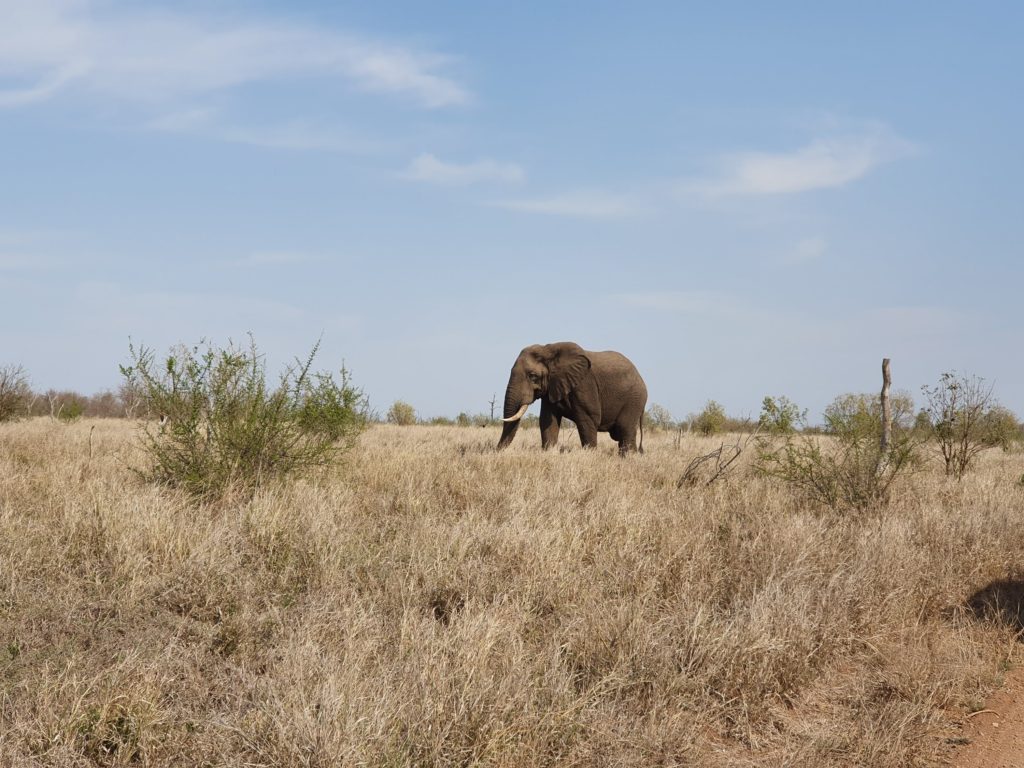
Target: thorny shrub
x,y
965,419
849,472
222,427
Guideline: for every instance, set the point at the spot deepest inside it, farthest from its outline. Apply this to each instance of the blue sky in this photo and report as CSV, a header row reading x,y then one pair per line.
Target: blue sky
x,y
745,198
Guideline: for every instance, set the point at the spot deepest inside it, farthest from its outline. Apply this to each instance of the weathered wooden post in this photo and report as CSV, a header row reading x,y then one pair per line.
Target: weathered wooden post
x,y
886,413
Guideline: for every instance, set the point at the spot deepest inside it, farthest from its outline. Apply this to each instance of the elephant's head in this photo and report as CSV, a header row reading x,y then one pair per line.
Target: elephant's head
x,y
543,370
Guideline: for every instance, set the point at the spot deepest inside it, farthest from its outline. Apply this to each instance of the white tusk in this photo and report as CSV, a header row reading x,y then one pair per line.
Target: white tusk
x,y
519,414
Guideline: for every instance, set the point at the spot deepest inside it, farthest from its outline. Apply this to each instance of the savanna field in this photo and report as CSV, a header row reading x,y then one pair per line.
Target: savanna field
x,y
430,601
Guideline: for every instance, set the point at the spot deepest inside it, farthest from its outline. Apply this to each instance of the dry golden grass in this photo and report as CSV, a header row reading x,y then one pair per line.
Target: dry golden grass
x,y
436,603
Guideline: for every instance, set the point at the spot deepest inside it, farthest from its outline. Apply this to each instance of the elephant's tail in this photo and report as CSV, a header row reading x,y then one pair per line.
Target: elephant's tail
x,y
641,433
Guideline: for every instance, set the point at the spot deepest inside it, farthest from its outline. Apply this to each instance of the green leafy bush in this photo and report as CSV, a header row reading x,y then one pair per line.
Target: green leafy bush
x,y
401,413
780,416
71,410
712,420
223,428
851,413
849,470
1002,427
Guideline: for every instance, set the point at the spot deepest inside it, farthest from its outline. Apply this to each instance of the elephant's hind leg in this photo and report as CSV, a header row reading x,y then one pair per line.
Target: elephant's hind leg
x,y
626,438
618,434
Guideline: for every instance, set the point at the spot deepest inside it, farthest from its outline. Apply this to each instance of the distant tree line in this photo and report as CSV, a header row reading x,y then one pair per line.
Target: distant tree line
x,y
956,406
18,399
957,403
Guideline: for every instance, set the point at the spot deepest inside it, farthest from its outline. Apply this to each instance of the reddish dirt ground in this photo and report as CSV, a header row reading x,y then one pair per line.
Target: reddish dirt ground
x,y
996,733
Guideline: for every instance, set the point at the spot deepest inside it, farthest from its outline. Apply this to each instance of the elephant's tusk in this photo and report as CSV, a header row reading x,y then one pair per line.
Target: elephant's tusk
x,y
519,413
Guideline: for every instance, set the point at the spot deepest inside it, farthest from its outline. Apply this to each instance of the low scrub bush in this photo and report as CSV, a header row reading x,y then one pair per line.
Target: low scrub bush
x,y
1004,430
659,417
72,410
710,421
848,471
465,419
15,393
223,427
965,419
402,414
862,412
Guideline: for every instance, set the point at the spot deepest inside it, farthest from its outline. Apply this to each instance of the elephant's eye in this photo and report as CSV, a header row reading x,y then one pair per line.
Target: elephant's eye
x,y
534,376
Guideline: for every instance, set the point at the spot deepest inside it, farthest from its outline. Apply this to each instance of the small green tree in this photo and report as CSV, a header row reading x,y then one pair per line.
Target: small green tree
x,y
710,421
780,416
222,427
966,419
402,414
15,393
71,410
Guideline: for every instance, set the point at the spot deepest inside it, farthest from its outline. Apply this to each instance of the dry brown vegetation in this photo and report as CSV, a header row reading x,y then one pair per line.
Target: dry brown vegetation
x,y
434,602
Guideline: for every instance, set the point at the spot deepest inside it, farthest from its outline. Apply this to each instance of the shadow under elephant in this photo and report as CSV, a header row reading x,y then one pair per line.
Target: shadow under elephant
x,y
1000,602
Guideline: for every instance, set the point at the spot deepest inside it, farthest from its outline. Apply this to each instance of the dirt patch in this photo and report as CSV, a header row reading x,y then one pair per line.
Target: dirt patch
x,y
996,733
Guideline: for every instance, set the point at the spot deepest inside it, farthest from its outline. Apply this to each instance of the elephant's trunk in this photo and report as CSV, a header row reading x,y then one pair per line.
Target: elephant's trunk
x,y
514,409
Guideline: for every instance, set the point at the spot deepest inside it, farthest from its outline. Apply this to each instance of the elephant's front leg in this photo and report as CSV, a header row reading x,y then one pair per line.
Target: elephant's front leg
x,y
588,432
550,423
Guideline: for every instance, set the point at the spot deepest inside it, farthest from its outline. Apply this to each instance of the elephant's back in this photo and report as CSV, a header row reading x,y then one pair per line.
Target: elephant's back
x,y
609,360
612,366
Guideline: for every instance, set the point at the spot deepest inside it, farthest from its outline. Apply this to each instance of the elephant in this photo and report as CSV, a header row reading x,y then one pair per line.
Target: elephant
x,y
599,391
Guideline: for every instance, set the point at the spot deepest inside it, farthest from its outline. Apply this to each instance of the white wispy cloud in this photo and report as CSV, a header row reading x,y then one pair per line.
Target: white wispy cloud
x,y
292,135
149,56
43,87
588,203
832,161
823,163
429,168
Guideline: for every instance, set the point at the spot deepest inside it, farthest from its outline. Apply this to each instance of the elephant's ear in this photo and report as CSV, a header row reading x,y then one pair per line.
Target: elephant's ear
x,y
568,365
